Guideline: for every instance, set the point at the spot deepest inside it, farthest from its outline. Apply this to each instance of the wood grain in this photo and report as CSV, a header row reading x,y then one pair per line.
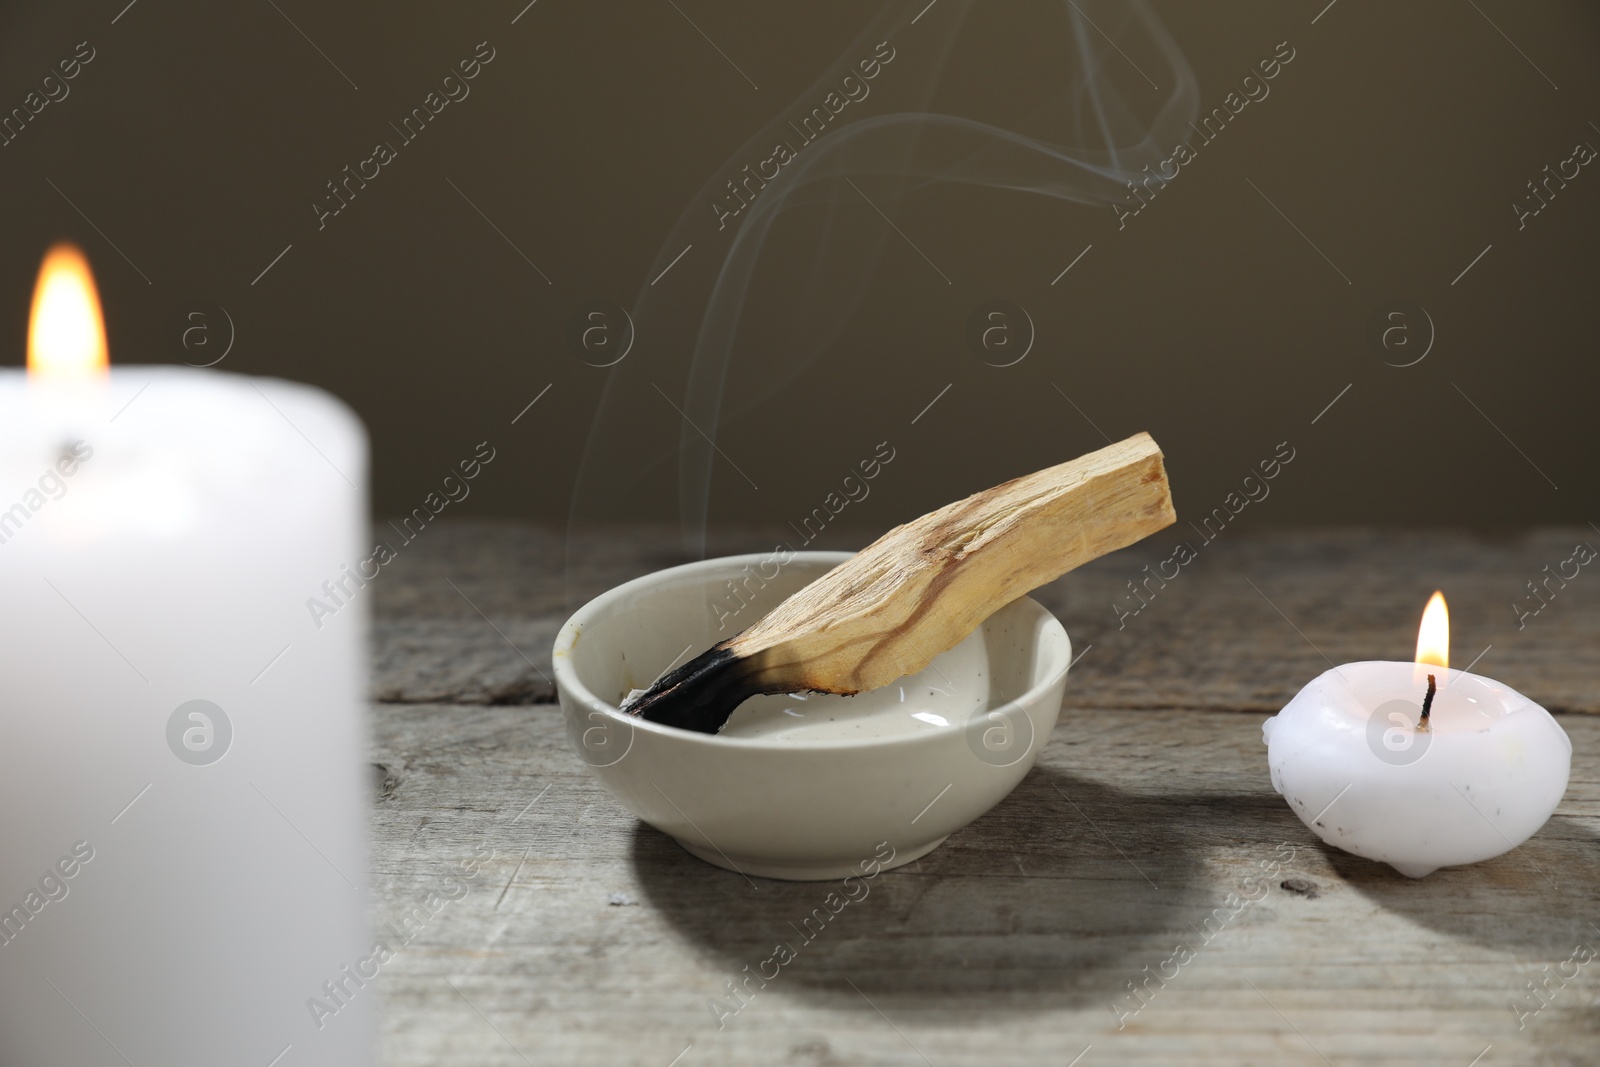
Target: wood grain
x,y
589,939
926,584
915,592
1252,619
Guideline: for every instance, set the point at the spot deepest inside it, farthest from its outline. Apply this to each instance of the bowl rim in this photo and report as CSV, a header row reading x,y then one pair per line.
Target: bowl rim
x,y
569,684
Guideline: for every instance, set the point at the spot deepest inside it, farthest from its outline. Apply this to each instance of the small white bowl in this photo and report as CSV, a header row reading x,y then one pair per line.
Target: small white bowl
x,y
810,786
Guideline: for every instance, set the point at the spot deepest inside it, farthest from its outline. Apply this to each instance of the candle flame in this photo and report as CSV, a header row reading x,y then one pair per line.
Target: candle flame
x,y
1433,637
66,333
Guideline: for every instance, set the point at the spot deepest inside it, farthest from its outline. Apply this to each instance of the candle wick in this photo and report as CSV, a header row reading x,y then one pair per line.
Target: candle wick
x,y
1427,706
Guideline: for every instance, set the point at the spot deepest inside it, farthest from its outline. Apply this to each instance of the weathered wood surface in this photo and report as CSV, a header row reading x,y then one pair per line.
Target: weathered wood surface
x,y
1212,638
590,939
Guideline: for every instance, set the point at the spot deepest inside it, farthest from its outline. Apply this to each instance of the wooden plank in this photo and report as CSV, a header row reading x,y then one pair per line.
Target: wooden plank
x,y
581,937
588,938
1212,637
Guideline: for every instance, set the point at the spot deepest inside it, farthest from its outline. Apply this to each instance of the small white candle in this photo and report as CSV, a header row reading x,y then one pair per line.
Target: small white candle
x,y
1355,760
182,779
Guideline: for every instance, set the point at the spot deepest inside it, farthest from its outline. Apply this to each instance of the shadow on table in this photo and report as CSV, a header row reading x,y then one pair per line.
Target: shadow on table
x,y
1064,891
1538,899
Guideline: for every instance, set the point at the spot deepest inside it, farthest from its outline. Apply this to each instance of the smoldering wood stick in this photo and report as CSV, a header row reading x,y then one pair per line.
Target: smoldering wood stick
x,y
923,586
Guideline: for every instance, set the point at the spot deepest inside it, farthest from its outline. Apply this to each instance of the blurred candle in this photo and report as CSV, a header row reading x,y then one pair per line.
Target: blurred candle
x,y
182,804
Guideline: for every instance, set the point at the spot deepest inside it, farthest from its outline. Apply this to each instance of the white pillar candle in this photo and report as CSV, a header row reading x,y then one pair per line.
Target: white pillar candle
x,y
1352,758
182,777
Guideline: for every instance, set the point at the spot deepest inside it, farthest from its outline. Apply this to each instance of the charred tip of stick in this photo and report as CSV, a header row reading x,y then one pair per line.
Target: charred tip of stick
x,y
701,694
1427,705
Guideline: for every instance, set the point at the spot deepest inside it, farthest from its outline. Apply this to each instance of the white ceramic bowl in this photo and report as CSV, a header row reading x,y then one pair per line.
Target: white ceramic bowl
x,y
805,787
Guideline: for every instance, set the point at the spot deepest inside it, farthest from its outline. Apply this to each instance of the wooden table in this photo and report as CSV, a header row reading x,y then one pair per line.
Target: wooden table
x,y
585,937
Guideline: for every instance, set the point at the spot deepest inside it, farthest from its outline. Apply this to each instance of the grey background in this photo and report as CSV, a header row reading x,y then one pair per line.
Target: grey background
x,y
1396,142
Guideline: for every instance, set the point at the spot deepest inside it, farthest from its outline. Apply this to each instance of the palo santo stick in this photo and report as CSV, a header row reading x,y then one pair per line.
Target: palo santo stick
x,y
922,587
